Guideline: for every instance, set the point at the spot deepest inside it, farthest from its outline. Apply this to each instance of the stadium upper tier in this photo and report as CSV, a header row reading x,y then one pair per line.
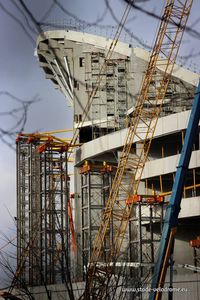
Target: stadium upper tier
x,y
78,65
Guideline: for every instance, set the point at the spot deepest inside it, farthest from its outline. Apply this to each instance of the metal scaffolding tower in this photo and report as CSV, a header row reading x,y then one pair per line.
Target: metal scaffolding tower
x,y
145,229
42,201
96,181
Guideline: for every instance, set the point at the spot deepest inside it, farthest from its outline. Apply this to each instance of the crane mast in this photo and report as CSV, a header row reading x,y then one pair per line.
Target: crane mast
x,y
141,130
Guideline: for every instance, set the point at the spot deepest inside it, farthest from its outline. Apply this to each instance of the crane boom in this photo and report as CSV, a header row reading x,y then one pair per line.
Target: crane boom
x,y
173,209
141,130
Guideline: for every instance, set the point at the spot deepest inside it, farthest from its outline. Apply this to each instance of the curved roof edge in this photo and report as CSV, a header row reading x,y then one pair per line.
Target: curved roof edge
x,y
121,48
81,37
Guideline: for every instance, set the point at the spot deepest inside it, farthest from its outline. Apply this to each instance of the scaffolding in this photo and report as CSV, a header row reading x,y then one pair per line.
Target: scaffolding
x,y
96,181
145,229
110,103
116,90
42,201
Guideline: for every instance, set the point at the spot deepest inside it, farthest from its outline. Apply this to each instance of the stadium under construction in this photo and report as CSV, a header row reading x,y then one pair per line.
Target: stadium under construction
x,y
100,238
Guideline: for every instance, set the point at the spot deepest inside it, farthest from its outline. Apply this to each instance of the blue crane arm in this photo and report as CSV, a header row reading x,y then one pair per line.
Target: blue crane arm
x,y
173,209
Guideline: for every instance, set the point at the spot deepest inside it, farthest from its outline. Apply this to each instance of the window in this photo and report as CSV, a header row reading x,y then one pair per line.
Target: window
x,y
81,62
76,84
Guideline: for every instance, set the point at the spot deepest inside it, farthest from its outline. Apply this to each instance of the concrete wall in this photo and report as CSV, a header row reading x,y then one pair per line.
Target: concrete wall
x,y
166,126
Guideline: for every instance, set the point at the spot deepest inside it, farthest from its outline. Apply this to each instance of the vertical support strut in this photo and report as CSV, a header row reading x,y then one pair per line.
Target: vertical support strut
x,y
144,240
96,181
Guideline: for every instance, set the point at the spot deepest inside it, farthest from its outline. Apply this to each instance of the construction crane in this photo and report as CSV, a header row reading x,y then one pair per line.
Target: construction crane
x,y
141,130
173,209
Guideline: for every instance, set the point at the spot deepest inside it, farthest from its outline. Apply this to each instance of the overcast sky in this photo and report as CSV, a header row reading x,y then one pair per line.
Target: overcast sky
x,y
21,76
